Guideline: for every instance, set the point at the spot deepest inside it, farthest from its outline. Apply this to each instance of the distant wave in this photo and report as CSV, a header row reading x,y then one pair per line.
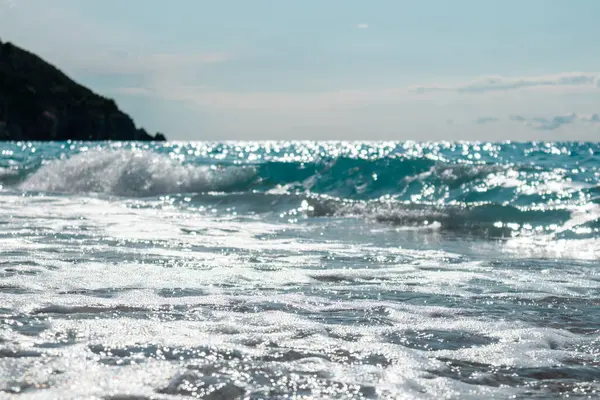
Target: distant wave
x,y
407,178
528,195
490,220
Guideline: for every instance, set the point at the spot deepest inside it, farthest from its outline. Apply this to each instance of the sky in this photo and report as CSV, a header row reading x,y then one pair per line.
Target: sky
x,y
329,69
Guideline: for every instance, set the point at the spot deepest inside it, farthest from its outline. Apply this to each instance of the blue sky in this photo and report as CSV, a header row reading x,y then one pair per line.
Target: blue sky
x,y
433,69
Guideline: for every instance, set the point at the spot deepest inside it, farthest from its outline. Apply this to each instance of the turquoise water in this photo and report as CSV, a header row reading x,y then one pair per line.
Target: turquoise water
x,y
299,269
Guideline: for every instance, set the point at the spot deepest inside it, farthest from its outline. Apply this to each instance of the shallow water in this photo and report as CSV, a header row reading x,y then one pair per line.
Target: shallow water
x,y
306,270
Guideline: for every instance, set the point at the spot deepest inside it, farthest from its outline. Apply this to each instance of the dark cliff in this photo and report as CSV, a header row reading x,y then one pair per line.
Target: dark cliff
x,y
39,102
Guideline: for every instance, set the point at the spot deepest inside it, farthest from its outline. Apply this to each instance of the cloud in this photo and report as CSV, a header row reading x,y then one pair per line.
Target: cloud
x,y
545,124
503,83
362,26
301,101
592,118
485,120
555,122
517,118
510,101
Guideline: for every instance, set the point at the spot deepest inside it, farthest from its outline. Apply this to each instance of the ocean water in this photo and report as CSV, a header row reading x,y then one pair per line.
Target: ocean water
x,y
275,270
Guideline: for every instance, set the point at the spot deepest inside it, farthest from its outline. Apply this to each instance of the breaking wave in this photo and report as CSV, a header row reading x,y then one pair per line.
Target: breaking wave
x,y
129,173
519,192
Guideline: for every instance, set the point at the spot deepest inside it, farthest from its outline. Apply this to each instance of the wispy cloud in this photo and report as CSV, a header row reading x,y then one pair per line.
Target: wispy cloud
x,y
518,118
556,122
362,26
546,123
394,96
486,120
503,83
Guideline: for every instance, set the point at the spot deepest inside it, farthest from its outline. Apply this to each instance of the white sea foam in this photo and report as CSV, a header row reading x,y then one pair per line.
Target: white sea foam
x,y
100,299
131,173
108,297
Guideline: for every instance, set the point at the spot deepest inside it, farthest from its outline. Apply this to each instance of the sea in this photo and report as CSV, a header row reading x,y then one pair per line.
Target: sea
x,y
299,270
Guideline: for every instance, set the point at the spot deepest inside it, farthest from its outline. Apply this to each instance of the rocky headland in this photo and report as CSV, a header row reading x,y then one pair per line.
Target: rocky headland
x,y
39,102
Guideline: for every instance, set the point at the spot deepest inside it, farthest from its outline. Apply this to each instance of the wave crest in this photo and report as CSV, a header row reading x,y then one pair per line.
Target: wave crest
x,y
132,173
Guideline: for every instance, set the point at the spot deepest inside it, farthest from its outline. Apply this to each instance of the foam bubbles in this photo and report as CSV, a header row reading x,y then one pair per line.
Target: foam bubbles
x,y
278,292
131,173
